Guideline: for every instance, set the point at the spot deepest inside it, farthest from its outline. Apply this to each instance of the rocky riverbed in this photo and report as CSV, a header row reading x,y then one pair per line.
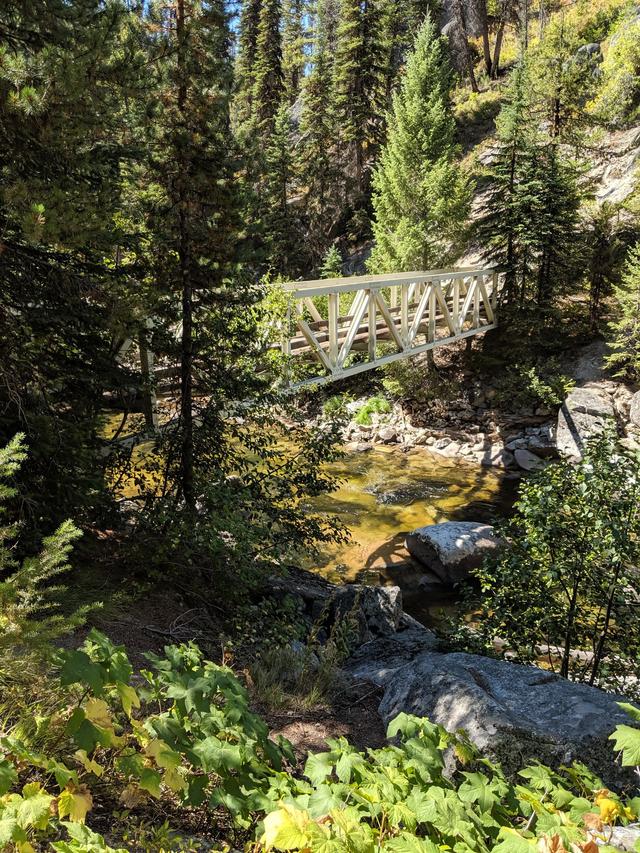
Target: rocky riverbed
x,y
477,431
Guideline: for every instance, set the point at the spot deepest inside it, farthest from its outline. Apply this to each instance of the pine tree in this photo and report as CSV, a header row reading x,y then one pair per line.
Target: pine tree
x,y
625,330
280,226
503,227
268,89
63,152
350,97
245,61
331,264
318,175
531,207
29,602
294,42
420,196
194,229
555,226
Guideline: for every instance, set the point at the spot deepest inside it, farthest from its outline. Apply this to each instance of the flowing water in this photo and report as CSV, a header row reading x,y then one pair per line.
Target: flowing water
x,y
385,493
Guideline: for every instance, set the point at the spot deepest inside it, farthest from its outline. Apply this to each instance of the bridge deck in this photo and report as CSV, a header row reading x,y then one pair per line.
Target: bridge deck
x,y
383,318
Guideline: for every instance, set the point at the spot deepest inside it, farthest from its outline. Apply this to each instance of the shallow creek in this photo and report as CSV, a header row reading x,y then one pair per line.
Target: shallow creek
x,y
386,492
383,494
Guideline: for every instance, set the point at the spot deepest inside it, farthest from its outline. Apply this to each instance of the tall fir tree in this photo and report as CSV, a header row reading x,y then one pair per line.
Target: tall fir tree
x,y
63,151
350,96
294,46
531,206
502,228
420,195
318,175
245,61
268,88
194,227
280,225
625,330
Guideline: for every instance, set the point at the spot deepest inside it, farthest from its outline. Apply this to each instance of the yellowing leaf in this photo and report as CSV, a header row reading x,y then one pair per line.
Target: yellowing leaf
x,y
285,828
128,697
98,712
75,802
88,763
174,780
551,844
25,847
609,809
163,755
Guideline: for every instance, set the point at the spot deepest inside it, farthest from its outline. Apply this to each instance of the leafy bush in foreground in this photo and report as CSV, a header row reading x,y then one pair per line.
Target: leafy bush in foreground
x,y
188,739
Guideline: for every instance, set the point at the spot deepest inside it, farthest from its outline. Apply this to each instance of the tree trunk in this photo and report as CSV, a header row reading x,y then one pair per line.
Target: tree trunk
x,y
495,65
486,47
186,344
464,43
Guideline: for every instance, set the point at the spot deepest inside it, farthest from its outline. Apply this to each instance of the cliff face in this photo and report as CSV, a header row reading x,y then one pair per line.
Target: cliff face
x,y
616,163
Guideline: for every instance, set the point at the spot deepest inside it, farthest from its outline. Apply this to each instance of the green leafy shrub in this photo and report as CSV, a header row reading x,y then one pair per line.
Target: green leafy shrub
x,y
187,738
527,387
619,95
374,405
564,585
336,406
549,388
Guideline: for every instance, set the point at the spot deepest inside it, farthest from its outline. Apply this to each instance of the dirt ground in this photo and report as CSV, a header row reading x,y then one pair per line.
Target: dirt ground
x,y
162,616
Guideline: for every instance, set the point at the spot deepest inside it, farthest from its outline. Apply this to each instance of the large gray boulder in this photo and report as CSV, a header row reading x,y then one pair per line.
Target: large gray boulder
x,y
515,714
634,409
452,549
584,413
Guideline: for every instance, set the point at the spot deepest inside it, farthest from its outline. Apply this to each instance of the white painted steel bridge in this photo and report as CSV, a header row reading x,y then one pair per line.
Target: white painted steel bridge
x,y
338,324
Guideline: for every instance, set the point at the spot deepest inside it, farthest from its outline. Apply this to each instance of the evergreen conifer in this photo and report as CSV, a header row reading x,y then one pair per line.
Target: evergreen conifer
x,y
625,330
269,88
420,195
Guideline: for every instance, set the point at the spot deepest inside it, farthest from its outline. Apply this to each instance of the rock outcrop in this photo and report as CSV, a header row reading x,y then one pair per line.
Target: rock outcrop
x,y
452,549
585,413
515,714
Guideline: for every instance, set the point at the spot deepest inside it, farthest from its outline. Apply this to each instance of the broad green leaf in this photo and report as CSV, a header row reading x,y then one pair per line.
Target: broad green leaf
x,y
406,843
8,776
8,826
512,842
128,697
34,809
150,781
79,668
631,710
319,766
627,739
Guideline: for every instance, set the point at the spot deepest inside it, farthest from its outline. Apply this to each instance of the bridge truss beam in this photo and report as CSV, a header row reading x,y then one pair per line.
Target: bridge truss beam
x,y
340,324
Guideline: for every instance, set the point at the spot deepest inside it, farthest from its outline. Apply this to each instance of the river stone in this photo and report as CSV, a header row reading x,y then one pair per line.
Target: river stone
x,y
378,609
584,414
528,461
453,548
634,409
515,714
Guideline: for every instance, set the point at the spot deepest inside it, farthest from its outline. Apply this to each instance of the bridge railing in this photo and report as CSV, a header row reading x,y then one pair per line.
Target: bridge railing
x,y
349,325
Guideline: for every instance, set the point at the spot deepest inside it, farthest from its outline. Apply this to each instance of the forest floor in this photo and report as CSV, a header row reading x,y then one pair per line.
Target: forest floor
x,y
146,621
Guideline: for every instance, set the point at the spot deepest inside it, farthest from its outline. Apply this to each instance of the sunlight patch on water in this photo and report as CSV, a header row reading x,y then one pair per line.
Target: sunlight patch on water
x,y
386,492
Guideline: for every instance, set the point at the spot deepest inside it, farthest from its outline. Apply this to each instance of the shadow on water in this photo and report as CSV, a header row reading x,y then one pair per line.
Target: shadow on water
x,y
384,494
